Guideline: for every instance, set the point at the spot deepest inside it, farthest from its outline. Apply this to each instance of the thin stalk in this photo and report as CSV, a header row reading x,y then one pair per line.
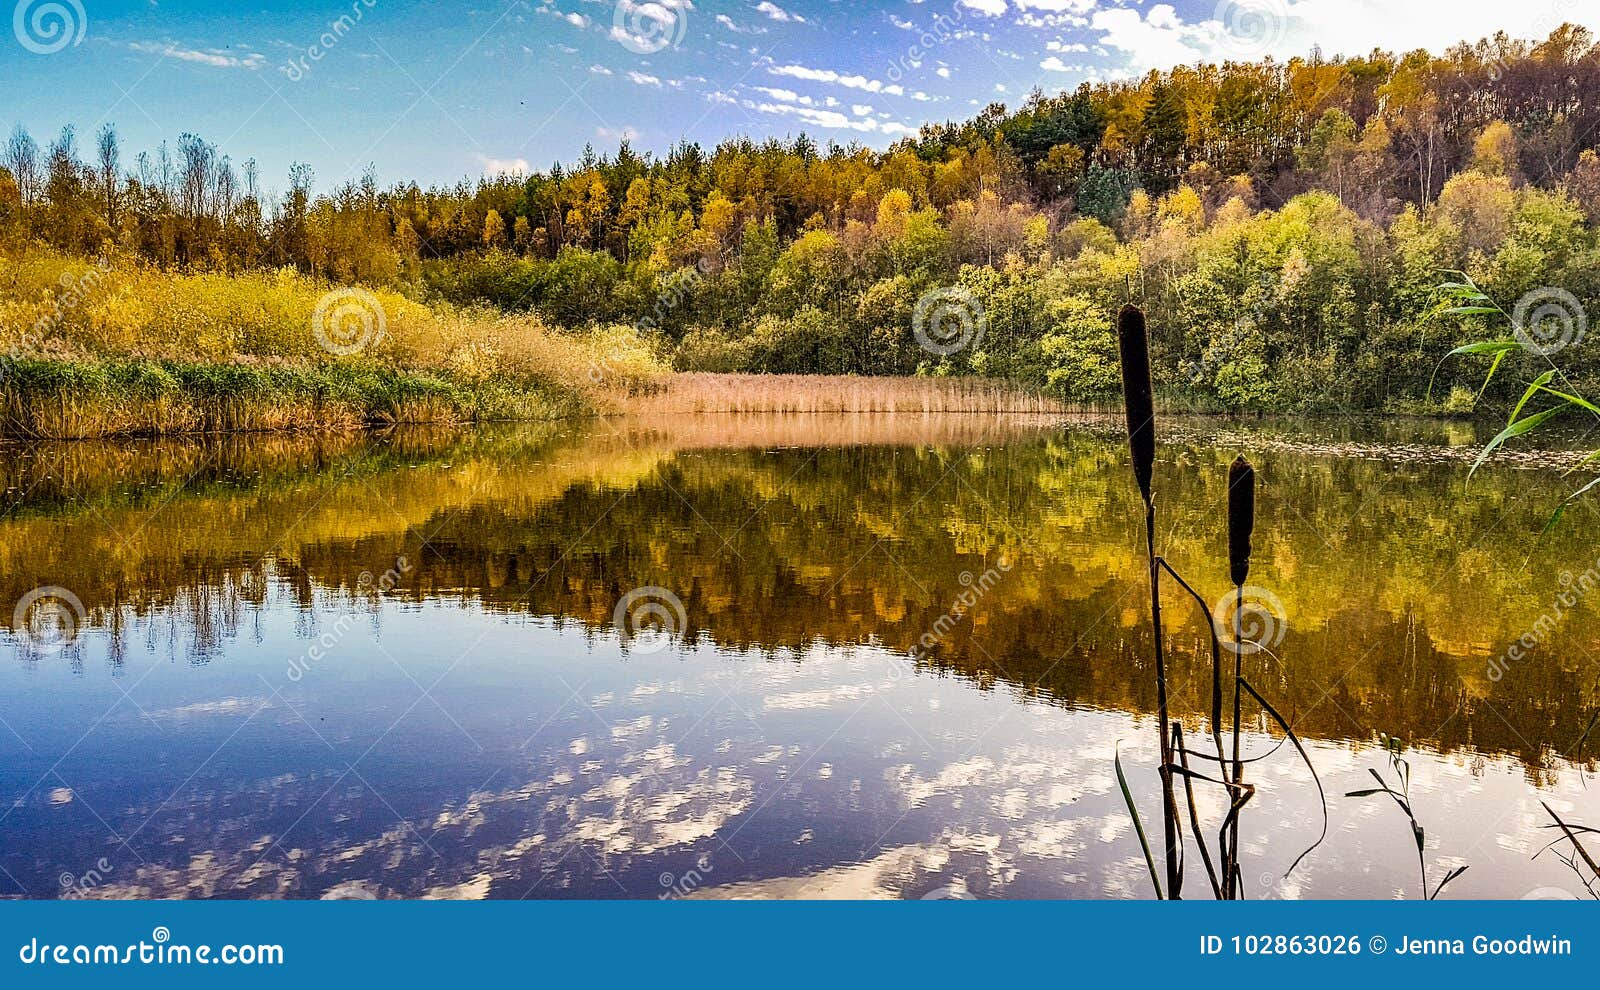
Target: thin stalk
x,y
1238,697
1194,812
1169,801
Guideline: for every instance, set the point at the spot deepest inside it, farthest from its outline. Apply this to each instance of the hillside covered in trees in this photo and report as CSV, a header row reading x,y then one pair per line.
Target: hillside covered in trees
x,y
1285,223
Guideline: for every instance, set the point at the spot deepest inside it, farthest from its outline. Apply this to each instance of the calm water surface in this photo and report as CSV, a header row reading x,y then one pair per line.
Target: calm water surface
x,y
393,666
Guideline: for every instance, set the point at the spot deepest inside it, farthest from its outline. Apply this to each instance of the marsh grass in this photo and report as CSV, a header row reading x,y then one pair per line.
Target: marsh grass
x,y
710,392
1579,859
1400,794
117,348
55,399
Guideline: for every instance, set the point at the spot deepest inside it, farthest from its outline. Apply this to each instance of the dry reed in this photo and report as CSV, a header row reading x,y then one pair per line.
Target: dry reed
x,y
709,392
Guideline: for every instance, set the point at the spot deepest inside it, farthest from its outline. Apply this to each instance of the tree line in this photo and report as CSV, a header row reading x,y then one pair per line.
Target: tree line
x,y
1284,222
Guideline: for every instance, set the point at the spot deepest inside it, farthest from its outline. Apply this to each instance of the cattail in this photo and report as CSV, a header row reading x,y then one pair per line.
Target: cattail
x,y
1241,517
1137,396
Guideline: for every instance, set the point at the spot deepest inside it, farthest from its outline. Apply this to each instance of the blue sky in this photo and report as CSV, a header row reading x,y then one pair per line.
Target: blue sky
x,y
438,91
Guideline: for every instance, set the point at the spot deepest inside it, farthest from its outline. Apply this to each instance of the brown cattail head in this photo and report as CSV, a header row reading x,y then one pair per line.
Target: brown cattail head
x,y
1241,517
1137,396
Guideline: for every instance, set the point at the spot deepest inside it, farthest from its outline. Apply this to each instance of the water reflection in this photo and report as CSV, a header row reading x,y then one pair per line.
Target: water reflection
x,y
387,666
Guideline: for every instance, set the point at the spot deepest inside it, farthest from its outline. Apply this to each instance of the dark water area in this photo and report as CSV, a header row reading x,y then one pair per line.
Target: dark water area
x,y
771,656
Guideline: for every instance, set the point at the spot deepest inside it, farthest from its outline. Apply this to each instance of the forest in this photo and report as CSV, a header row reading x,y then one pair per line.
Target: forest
x,y
1285,224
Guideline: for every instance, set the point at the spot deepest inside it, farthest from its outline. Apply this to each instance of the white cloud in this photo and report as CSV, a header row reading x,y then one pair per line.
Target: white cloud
x,y
736,28
784,95
216,57
667,15
503,166
988,8
837,79
643,78
576,20
943,72
1253,29
1058,6
600,70
832,119
617,133
777,13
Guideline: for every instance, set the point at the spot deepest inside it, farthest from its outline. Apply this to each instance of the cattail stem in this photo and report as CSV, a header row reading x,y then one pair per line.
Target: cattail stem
x,y
1241,526
1138,398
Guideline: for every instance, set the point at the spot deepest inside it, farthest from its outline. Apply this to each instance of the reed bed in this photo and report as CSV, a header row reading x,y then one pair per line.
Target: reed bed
x,y
117,348
61,400
711,392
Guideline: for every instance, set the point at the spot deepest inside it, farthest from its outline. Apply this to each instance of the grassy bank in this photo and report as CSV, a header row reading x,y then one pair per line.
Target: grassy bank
x,y
112,347
74,399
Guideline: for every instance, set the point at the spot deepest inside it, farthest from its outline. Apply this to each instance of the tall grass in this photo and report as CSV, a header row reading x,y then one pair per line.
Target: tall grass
x,y
710,392
114,347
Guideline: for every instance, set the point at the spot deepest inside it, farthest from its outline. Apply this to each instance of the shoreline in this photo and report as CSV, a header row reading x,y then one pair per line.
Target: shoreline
x,y
48,400
45,399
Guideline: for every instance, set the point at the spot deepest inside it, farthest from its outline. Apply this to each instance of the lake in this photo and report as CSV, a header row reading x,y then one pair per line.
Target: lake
x,y
771,656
